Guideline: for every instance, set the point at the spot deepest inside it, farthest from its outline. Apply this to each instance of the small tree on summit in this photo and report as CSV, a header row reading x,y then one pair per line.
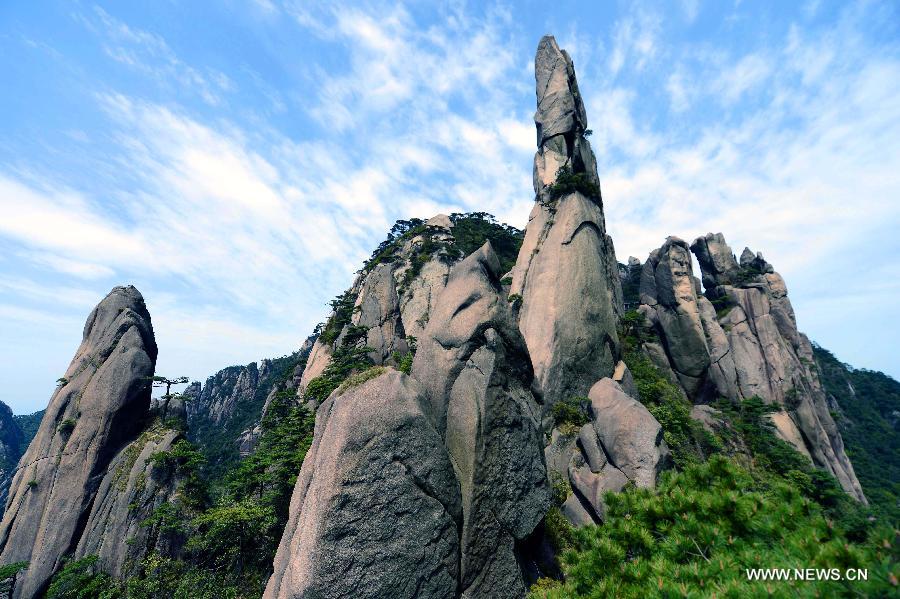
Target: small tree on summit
x,y
161,381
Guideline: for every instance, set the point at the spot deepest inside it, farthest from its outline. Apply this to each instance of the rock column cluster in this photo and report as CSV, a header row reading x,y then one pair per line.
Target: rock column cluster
x,y
739,340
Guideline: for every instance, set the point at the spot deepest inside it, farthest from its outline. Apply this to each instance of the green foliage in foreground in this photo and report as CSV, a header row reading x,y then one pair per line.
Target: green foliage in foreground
x,y
81,579
697,532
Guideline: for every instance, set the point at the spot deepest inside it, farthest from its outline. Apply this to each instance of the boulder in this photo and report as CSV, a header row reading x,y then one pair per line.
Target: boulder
x,y
631,436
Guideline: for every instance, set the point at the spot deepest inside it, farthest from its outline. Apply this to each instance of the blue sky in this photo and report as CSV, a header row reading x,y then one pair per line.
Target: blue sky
x,y
238,160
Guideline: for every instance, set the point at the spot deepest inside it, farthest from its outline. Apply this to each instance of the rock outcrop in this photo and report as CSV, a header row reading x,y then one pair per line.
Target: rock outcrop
x,y
772,359
99,408
690,342
452,456
475,368
376,509
622,444
137,482
738,340
566,273
391,298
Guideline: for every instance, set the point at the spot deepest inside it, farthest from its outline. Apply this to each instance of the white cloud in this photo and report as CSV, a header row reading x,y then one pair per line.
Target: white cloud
x,y
737,79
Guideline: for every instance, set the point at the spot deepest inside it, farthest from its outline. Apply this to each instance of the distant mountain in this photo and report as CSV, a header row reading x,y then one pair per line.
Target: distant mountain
x,y
866,405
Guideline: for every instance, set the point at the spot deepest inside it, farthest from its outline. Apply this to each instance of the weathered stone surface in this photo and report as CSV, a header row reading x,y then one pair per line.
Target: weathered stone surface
x,y
560,109
630,435
131,490
558,453
667,286
692,350
590,487
588,443
319,358
475,368
378,310
376,510
717,262
576,513
622,375
100,409
770,358
418,299
566,272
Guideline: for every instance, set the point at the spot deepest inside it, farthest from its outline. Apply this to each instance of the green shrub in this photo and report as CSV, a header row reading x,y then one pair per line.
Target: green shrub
x,y
82,579
342,307
67,426
697,532
568,182
516,300
571,414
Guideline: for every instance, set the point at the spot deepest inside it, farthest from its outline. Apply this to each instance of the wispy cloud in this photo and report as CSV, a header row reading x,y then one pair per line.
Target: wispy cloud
x,y
152,55
241,199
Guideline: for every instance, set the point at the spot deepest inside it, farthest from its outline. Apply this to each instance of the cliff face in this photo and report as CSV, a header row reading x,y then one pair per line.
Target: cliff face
x,y
738,341
223,415
98,410
12,442
570,333
135,485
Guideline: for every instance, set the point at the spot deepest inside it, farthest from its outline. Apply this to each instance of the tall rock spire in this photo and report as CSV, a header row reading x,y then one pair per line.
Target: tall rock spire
x,y
566,271
99,407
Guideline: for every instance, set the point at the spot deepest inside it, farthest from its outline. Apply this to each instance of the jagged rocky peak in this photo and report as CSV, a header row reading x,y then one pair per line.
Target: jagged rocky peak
x,y
689,345
217,400
566,273
390,301
451,455
99,407
738,340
